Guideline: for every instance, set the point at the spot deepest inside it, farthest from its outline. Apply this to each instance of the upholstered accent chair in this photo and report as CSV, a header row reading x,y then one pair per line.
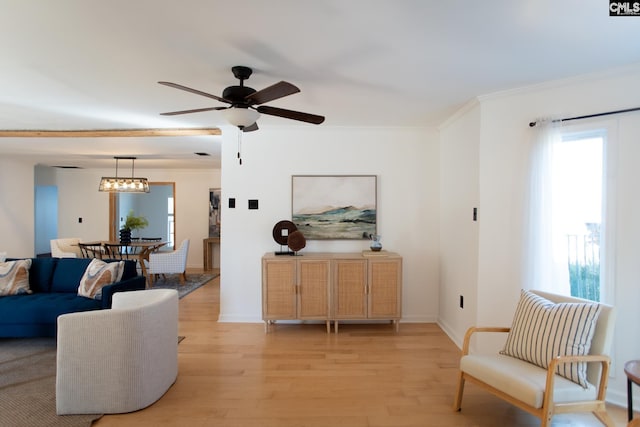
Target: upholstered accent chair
x,y
169,262
118,360
65,248
574,382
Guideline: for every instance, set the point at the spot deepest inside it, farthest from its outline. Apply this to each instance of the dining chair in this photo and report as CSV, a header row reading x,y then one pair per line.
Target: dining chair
x,y
91,250
169,262
65,248
117,251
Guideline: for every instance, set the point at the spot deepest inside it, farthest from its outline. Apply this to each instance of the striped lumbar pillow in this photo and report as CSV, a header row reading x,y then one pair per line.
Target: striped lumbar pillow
x,y
543,330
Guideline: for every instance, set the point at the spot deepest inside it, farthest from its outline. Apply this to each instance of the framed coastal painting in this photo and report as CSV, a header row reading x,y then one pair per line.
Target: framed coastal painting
x,y
334,207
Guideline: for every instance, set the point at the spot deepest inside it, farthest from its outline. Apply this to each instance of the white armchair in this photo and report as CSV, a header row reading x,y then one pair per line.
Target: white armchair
x,y
118,360
169,262
65,248
540,391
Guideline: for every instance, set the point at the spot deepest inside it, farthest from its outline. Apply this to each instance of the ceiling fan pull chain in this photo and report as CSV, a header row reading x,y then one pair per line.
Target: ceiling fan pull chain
x,y
239,145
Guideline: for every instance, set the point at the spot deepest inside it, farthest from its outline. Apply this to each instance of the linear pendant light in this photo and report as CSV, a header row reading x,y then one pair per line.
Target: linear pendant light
x,y
124,185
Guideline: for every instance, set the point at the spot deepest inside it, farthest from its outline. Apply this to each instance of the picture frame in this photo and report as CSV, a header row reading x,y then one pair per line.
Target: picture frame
x,y
334,207
215,198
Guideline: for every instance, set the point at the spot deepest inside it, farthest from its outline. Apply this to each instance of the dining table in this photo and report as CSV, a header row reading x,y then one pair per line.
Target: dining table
x,y
135,250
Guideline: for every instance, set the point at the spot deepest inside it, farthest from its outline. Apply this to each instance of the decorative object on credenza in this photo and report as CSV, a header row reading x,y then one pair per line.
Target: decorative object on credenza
x,y
281,232
334,206
296,241
376,245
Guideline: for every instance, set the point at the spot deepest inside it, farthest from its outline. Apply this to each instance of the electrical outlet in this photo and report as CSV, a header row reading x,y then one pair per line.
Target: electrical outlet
x,y
232,203
461,301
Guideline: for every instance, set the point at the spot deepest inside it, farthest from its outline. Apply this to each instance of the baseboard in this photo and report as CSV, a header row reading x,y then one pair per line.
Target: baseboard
x,y
449,331
231,318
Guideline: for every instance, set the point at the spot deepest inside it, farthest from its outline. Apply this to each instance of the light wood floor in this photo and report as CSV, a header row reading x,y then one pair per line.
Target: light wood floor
x,y
235,375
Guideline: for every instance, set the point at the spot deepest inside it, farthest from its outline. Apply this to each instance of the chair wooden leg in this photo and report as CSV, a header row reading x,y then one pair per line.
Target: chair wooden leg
x,y
604,418
457,405
183,277
545,420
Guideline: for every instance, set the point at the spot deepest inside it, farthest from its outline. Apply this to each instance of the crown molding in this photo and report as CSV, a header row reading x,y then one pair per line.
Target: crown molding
x,y
96,133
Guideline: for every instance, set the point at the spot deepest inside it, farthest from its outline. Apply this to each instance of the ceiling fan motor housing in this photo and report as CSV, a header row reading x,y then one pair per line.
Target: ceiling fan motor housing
x,y
237,95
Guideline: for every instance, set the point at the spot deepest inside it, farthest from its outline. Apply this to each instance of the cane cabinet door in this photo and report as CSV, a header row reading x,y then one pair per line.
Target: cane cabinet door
x,y
385,286
349,293
313,288
279,289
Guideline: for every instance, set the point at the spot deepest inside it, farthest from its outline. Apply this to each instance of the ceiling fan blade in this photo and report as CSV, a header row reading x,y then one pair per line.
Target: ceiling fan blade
x,y
196,91
290,114
197,110
278,90
250,128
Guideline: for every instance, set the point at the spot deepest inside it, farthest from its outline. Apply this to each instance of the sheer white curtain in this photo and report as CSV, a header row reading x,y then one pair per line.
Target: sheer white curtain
x,y
544,260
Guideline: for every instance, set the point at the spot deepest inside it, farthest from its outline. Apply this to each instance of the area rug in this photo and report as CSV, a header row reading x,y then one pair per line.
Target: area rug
x,y
28,385
193,282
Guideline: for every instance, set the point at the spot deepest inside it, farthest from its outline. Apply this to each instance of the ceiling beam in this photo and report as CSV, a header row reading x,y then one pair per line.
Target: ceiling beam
x,y
42,133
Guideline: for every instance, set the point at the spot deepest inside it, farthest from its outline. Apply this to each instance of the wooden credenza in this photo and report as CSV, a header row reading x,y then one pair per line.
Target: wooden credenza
x,y
332,287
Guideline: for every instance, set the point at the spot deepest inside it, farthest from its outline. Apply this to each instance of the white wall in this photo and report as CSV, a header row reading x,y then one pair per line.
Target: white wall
x,y
17,208
78,196
459,175
504,135
406,164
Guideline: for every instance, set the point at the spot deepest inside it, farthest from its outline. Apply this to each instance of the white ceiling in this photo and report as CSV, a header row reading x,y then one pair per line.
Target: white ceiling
x,y
94,64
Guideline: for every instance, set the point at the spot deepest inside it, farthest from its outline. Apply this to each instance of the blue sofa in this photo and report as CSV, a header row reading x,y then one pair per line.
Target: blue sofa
x,y
54,284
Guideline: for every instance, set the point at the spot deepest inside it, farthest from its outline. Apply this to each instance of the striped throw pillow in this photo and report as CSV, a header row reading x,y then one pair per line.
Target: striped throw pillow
x,y
543,330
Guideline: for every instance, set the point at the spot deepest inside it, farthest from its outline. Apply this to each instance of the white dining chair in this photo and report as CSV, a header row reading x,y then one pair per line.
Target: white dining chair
x,y
169,263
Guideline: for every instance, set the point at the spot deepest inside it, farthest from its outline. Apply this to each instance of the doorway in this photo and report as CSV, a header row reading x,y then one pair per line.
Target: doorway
x,y
158,206
46,218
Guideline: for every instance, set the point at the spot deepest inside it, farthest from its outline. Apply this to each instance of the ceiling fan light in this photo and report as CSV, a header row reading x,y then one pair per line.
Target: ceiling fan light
x,y
240,117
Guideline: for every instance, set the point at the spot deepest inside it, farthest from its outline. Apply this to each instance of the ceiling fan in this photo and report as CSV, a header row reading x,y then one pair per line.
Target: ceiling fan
x,y
243,100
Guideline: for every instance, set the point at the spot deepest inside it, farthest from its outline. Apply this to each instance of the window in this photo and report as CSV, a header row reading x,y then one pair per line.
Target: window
x,y
569,228
577,177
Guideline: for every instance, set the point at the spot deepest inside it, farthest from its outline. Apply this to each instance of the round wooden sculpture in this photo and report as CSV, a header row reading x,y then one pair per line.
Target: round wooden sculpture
x,y
277,231
296,241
